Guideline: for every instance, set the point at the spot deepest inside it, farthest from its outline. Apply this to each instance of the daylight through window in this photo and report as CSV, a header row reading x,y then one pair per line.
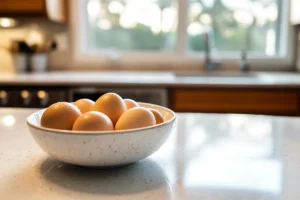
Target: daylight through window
x,y
152,25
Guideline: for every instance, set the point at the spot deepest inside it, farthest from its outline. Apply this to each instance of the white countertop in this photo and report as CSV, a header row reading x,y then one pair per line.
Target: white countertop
x,y
208,156
144,78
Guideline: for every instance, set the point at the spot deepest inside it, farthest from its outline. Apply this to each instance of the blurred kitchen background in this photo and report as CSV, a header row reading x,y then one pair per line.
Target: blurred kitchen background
x,y
258,28
190,55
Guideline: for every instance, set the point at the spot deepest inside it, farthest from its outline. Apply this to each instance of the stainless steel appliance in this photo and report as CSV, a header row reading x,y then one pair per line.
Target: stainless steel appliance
x,y
32,97
150,95
40,97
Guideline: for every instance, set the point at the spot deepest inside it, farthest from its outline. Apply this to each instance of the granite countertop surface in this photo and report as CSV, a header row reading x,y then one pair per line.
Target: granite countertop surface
x,y
208,156
154,78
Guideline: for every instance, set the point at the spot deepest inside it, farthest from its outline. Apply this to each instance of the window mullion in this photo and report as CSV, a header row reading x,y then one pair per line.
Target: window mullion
x,y
181,46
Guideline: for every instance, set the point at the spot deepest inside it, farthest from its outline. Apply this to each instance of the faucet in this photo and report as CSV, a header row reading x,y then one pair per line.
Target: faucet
x,y
209,64
244,64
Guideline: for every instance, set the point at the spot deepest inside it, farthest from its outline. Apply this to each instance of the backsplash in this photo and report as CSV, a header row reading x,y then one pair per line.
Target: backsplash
x,y
57,59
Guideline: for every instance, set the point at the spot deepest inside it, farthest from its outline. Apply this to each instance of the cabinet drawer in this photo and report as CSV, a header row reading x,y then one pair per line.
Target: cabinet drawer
x,y
235,101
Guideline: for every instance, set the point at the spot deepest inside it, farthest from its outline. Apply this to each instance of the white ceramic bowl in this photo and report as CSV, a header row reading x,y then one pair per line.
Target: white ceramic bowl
x,y
102,149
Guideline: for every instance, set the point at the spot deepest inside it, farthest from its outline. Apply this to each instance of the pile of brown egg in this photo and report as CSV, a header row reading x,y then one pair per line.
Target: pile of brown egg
x,y
109,112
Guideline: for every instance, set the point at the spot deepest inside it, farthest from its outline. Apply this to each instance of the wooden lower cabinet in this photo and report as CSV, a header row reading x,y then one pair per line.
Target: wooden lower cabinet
x,y
254,101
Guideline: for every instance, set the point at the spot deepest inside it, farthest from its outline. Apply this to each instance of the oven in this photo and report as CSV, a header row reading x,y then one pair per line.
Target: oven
x,y
32,97
40,97
148,95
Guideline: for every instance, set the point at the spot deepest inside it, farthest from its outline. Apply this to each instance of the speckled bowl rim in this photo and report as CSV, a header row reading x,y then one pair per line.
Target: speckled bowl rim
x,y
114,132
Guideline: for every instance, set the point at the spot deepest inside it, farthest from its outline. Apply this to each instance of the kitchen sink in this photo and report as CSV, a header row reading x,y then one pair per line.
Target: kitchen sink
x,y
212,74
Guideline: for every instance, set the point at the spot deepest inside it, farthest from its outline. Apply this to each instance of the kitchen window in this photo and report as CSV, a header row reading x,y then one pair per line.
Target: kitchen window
x,y
172,30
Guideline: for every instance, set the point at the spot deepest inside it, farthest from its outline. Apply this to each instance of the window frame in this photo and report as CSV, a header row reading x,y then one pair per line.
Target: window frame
x,y
180,59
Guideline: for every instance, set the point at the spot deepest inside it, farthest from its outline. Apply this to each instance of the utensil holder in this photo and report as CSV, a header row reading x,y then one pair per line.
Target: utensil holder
x,y
20,62
39,62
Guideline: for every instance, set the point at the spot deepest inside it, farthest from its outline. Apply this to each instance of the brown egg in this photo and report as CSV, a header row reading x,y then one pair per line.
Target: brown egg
x,y
84,105
130,103
93,121
60,115
112,105
158,116
135,118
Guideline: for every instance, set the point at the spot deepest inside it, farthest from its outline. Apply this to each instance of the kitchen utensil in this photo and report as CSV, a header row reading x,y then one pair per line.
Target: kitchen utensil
x,y
102,149
20,46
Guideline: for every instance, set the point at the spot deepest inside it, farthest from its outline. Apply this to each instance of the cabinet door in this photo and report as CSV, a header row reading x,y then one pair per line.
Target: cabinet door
x,y
253,101
15,7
